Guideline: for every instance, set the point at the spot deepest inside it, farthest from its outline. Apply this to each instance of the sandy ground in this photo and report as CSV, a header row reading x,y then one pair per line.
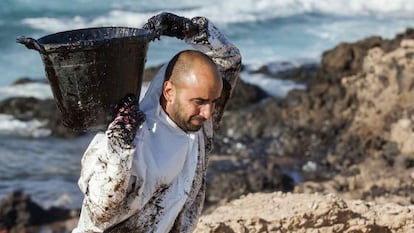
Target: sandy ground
x,y
288,212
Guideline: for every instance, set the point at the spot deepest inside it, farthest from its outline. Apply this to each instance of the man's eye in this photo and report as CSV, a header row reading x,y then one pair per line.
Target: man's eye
x,y
199,102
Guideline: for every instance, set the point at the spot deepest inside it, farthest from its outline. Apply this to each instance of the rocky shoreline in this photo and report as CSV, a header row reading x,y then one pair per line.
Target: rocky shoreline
x,y
348,136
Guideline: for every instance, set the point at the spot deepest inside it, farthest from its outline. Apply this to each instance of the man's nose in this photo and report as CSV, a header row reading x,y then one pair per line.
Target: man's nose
x,y
207,110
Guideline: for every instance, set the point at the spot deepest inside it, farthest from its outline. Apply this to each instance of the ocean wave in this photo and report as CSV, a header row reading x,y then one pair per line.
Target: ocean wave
x,y
232,11
37,90
113,18
274,87
12,126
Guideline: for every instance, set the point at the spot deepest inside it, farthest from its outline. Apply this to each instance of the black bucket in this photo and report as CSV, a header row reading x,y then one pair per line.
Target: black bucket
x,y
90,70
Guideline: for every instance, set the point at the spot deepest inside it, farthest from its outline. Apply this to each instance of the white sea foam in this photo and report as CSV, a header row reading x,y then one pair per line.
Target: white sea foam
x,y
345,30
272,86
36,90
113,18
233,11
15,127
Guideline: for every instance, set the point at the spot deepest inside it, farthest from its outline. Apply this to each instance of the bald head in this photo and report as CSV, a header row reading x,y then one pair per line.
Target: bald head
x,y
192,85
184,64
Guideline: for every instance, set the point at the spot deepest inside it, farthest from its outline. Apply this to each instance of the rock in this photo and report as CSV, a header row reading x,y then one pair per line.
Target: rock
x,y
377,134
306,73
347,58
244,95
286,212
229,177
24,80
18,212
336,127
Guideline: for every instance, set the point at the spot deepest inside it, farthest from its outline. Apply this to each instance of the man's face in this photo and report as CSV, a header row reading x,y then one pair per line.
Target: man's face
x,y
192,104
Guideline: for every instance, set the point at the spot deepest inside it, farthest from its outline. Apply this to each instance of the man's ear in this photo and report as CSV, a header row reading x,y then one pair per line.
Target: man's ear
x,y
168,91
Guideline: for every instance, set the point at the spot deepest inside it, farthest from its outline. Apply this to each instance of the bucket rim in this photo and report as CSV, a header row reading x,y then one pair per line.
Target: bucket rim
x,y
142,36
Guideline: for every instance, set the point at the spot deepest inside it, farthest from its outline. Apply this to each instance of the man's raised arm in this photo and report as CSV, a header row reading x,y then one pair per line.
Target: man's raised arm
x,y
106,165
226,56
205,37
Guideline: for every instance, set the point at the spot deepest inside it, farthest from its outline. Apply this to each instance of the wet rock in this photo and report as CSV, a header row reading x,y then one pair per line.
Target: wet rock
x,y
18,212
25,80
244,95
306,73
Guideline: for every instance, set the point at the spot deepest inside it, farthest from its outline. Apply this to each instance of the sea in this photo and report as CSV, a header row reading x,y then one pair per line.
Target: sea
x,y
267,32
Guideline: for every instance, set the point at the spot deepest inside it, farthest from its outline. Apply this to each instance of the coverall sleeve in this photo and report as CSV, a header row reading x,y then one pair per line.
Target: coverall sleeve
x,y
225,55
106,178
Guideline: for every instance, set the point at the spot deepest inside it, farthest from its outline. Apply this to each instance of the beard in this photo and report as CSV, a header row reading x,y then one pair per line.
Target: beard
x,y
185,122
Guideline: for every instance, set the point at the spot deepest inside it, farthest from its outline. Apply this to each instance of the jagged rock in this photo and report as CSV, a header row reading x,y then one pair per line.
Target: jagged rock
x,y
18,211
332,127
381,126
347,58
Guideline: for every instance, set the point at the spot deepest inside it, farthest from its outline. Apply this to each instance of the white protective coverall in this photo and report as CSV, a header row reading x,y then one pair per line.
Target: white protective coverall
x,y
158,185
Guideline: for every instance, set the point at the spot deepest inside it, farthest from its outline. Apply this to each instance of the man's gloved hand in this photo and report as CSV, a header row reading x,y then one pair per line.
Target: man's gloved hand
x,y
128,118
171,25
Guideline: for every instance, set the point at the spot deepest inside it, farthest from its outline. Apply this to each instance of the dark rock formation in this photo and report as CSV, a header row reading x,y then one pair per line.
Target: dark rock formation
x,y
24,80
18,211
306,73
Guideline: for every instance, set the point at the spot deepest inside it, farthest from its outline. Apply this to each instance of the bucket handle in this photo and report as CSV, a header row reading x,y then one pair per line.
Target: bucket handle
x,y
31,43
156,33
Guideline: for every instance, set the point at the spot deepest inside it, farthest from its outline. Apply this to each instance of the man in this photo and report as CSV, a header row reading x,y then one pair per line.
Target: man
x,y
147,172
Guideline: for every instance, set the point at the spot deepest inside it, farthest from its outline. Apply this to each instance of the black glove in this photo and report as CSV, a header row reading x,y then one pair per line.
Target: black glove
x,y
171,25
128,118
